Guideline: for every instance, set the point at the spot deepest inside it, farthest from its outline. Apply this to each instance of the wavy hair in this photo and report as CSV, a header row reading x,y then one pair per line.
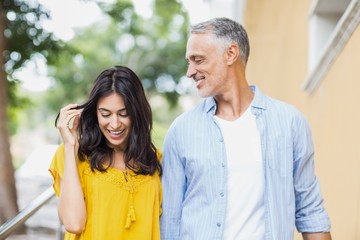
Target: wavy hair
x,y
140,155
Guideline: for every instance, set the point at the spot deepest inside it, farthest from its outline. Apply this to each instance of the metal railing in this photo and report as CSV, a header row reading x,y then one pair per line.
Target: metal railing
x,y
7,228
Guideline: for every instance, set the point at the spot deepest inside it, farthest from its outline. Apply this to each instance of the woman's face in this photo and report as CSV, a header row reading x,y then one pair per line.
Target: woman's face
x,y
114,121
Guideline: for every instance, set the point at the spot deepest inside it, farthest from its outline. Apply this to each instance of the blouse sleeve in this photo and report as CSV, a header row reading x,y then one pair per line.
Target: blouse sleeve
x,y
56,168
159,155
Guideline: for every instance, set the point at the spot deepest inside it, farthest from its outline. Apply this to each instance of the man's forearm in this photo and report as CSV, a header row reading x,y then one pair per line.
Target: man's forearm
x,y
316,236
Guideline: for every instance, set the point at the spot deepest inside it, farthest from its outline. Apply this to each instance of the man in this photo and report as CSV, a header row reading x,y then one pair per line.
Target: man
x,y
240,164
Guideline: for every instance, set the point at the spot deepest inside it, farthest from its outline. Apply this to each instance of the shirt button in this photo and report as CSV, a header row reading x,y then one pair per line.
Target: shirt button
x,y
218,224
221,194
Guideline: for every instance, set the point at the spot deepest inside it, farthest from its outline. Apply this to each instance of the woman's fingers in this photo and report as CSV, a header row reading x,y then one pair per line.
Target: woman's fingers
x,y
72,119
67,115
74,122
68,122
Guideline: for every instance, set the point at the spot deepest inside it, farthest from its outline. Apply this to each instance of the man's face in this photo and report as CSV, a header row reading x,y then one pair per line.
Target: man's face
x,y
207,64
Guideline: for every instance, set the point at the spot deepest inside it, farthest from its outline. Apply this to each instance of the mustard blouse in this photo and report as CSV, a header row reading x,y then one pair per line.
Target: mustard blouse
x,y
119,204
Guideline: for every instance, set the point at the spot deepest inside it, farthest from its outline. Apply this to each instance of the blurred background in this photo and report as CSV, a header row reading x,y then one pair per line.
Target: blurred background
x,y
305,52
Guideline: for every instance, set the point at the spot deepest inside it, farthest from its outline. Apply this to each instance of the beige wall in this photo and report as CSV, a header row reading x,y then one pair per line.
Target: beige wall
x,y
278,32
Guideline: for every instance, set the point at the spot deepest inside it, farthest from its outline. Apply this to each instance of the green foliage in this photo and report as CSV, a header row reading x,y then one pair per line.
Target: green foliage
x,y
163,115
25,34
158,134
17,103
152,47
25,37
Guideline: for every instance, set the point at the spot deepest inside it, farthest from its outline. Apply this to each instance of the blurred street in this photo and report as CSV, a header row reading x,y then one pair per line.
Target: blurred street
x,y
32,179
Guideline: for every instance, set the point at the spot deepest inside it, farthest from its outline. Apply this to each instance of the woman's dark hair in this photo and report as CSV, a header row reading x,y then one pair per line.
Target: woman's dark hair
x,y
140,154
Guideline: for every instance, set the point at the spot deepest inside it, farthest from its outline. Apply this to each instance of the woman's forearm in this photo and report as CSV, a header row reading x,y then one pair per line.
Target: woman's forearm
x,y
71,208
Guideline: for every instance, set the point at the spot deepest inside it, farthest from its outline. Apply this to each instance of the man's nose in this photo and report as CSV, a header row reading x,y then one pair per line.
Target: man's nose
x,y
190,71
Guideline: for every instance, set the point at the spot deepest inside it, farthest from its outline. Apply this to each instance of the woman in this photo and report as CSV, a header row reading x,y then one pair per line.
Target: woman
x,y
107,170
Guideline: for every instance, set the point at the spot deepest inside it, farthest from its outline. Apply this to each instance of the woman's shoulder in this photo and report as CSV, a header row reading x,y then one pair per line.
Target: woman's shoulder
x,y
58,160
159,154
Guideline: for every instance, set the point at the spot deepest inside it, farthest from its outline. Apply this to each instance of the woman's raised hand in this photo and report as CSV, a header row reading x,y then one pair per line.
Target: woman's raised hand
x,y
68,122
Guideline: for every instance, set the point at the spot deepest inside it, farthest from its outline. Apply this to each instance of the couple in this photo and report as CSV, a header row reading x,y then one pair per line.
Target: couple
x,y
237,166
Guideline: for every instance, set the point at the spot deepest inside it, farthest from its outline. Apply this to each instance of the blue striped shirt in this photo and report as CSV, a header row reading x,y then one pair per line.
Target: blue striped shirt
x,y
195,173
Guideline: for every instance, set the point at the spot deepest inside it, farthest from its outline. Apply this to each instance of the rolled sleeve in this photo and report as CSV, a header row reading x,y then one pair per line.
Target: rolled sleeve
x,y
311,215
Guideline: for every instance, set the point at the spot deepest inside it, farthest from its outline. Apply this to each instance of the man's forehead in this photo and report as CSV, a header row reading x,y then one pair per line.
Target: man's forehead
x,y
199,45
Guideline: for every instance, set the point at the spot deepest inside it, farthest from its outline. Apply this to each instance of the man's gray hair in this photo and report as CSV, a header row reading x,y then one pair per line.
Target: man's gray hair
x,y
227,30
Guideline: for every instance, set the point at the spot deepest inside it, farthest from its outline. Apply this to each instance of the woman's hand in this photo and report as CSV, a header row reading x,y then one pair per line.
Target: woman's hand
x,y
71,207
68,123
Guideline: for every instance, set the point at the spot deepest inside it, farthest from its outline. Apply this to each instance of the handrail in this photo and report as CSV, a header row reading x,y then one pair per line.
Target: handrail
x,y
7,228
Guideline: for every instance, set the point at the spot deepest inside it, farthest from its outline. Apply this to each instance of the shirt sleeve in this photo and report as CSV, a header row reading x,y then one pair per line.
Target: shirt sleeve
x,y
311,215
174,185
56,168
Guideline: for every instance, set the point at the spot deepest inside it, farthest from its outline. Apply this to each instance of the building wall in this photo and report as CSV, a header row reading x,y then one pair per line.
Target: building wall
x,y
278,33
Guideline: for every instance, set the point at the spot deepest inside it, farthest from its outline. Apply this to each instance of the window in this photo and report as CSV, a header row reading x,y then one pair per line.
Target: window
x,y
331,23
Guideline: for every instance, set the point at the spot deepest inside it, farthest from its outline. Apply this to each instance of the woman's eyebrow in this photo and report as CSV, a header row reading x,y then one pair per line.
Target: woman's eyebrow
x,y
107,110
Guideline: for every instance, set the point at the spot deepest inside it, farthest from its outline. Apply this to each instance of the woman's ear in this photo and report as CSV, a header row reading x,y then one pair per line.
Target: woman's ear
x,y
232,53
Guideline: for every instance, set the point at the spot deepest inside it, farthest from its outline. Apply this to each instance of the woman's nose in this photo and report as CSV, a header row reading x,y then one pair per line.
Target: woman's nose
x,y
115,122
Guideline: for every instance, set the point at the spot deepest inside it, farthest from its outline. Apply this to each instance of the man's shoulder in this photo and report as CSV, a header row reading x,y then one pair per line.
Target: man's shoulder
x,y
276,107
281,104
193,115
199,109
275,104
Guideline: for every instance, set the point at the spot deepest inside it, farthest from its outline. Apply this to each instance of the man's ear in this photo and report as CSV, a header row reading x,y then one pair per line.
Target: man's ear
x,y
232,53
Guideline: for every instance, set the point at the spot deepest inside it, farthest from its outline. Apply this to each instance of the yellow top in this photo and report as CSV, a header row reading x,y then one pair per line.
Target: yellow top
x,y
119,204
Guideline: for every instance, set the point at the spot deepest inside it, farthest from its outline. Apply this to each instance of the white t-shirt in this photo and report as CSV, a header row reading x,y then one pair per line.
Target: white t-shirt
x,y
245,184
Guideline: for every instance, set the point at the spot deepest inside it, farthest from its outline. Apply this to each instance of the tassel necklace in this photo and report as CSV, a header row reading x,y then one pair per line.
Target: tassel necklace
x,y
131,211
